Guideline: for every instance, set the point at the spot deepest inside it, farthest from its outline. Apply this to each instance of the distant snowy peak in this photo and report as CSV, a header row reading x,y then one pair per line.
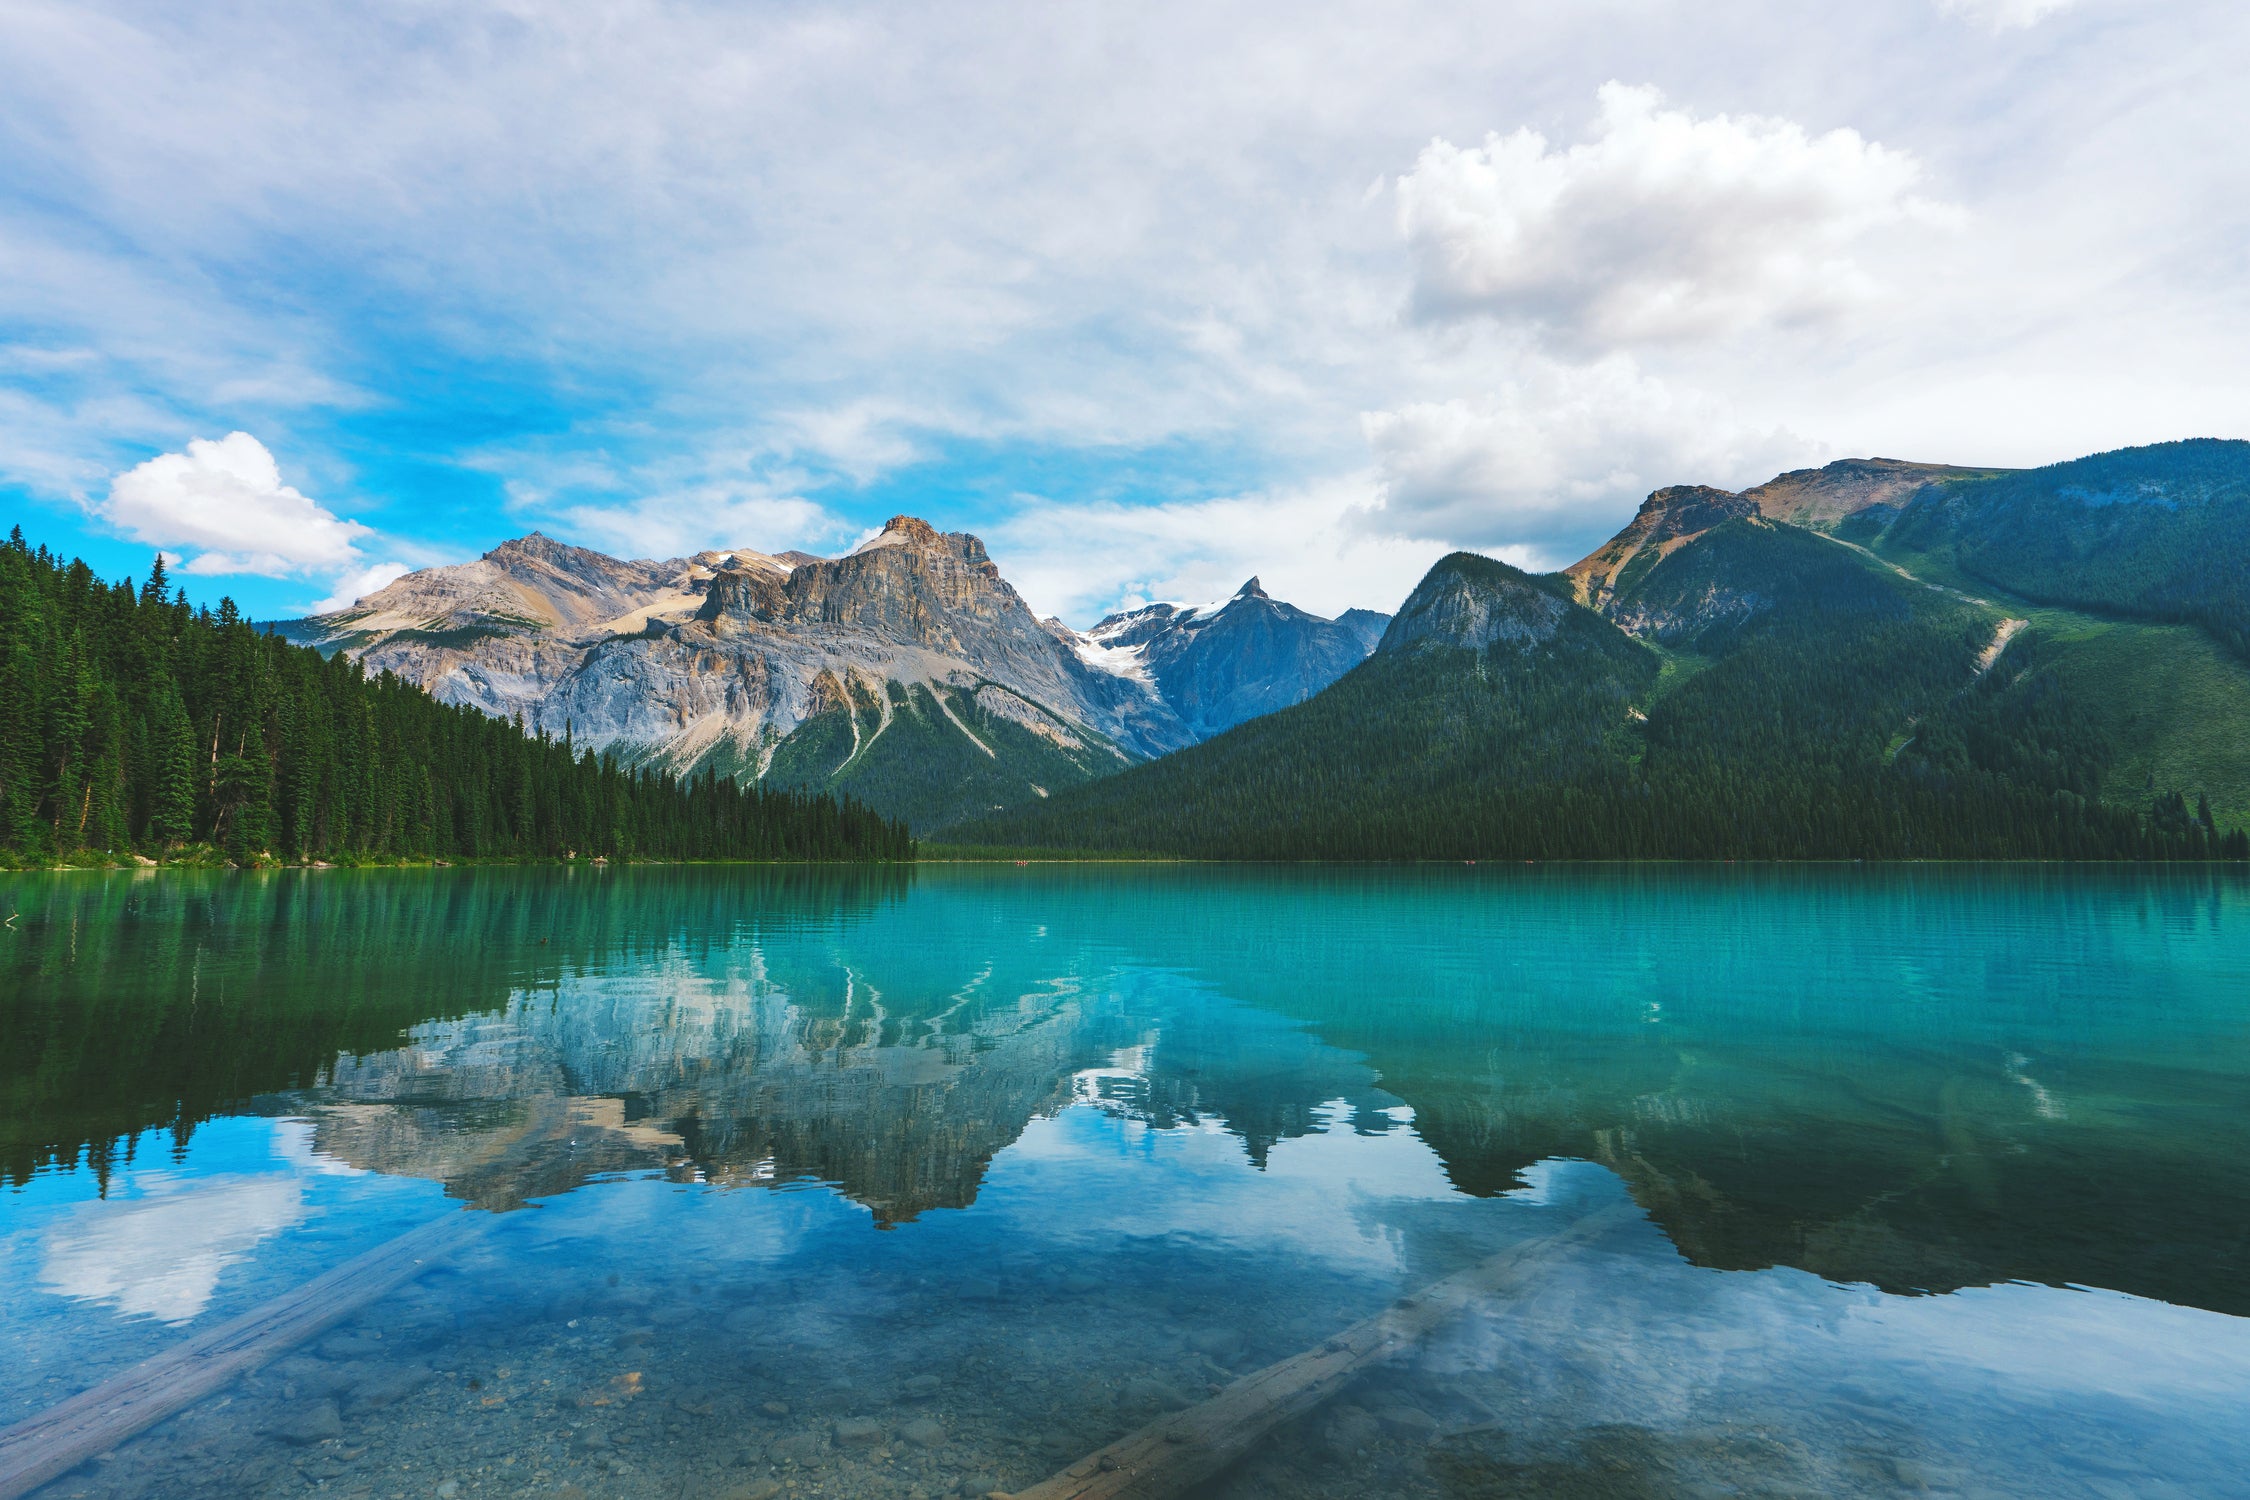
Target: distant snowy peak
x,y
1136,627
1217,664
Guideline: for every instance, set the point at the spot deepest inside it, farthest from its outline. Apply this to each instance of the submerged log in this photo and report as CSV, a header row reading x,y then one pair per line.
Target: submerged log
x,y
1178,1451
94,1421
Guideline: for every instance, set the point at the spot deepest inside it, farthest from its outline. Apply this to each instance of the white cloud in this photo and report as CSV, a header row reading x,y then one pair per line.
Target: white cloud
x,y
160,1252
678,522
1661,227
225,499
353,587
1307,544
860,439
2005,15
1555,459
655,229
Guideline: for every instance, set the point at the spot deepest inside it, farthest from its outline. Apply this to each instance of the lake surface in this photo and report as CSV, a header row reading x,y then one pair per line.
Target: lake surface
x,y
934,1182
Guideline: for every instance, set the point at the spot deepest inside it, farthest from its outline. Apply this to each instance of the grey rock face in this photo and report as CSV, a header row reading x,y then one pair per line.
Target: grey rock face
x,y
1473,602
1216,667
719,657
716,661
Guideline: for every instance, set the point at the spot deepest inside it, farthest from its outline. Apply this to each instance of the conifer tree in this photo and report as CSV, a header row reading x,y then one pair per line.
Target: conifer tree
x,y
172,797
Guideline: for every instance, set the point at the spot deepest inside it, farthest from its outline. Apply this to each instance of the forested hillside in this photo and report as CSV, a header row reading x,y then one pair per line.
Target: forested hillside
x,y
2156,533
1791,698
130,722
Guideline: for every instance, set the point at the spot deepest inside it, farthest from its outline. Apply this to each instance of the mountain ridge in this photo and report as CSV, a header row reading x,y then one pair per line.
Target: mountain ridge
x,y
1772,689
907,671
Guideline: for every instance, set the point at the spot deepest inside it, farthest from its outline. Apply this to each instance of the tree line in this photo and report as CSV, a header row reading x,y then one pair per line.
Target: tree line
x,y
133,722
1843,721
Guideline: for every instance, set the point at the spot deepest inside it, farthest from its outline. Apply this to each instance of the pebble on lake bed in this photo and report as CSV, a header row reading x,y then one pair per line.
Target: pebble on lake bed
x,y
858,1432
308,1422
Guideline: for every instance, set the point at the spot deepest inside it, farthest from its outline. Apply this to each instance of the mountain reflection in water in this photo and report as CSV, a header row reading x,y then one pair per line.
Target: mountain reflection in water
x,y
1922,1080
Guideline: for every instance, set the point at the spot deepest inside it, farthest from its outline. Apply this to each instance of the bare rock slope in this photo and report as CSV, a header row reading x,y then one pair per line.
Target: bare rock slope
x,y
907,673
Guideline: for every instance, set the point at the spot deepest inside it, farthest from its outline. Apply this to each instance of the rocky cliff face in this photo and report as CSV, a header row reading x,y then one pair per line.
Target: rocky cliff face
x,y
1667,520
1853,498
1823,499
722,659
908,673
1217,665
1850,497
1472,603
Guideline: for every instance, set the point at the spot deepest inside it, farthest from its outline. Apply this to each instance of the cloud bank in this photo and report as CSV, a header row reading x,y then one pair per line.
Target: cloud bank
x,y
1525,464
1660,227
225,499
657,272
2006,15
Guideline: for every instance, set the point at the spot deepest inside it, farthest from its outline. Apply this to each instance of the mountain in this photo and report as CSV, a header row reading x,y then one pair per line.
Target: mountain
x,y
2157,533
1849,496
1713,682
133,724
908,674
1853,489
1216,665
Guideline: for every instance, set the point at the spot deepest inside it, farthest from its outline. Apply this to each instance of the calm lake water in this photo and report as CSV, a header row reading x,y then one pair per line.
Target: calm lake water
x,y
934,1182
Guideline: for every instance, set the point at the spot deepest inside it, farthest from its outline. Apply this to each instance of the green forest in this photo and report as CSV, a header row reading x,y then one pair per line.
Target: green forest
x,y
1801,702
2154,533
134,724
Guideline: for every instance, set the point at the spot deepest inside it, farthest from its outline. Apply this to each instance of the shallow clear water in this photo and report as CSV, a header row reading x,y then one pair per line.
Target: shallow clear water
x,y
935,1182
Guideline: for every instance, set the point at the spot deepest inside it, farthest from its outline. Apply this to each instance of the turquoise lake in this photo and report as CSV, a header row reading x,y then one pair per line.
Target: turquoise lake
x,y
933,1182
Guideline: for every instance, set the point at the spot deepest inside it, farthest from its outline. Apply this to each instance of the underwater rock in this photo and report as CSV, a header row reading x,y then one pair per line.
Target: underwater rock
x,y
797,1448
858,1432
1146,1393
308,1422
924,1432
1407,1422
386,1385
1349,1430
1221,1344
315,1377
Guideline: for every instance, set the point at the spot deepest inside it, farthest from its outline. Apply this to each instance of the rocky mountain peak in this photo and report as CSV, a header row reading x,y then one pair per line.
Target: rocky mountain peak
x,y
911,584
1683,509
1252,590
1822,498
1472,602
536,546
1667,519
912,529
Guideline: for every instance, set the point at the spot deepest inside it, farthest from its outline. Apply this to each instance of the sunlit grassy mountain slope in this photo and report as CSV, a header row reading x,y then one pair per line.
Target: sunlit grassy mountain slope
x,y
2158,533
1722,684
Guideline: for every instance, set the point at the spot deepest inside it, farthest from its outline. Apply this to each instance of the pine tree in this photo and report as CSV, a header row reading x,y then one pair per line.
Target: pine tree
x,y
172,800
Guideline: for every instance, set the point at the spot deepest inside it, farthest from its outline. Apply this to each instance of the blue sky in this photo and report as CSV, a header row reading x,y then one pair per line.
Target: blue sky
x,y
1152,298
